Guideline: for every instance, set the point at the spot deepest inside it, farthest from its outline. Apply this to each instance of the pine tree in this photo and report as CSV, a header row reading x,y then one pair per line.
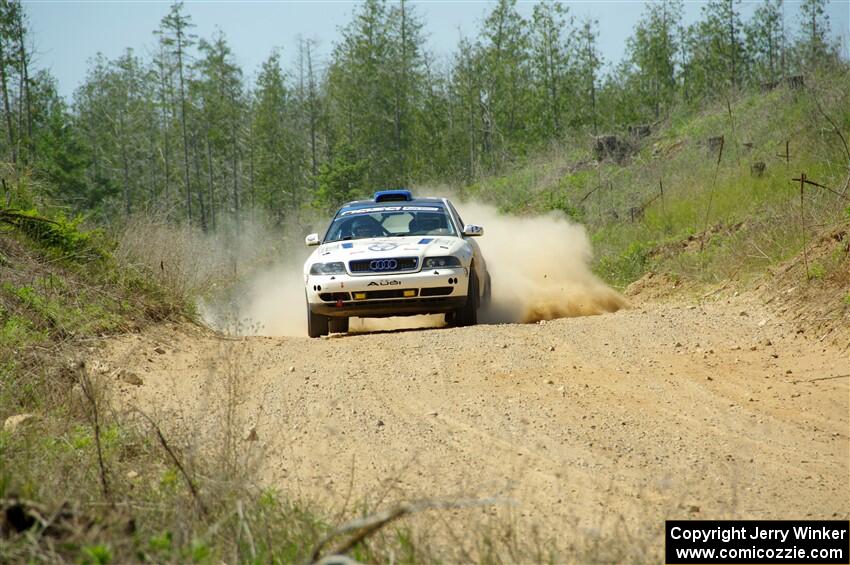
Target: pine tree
x,y
765,42
8,35
218,91
166,121
282,159
652,50
589,62
406,63
60,155
716,53
813,38
117,123
311,104
468,108
361,90
506,95
175,36
552,67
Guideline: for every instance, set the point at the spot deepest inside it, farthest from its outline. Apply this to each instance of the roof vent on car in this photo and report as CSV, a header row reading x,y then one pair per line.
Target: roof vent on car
x,y
393,196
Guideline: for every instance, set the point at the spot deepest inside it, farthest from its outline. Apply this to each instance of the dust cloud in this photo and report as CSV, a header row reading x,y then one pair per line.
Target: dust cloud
x,y
539,265
270,302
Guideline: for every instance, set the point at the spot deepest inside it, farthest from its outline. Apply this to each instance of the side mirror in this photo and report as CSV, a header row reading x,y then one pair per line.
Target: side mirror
x,y
472,230
312,239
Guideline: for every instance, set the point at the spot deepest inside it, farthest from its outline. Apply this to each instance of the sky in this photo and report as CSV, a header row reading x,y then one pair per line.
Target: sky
x,y
67,34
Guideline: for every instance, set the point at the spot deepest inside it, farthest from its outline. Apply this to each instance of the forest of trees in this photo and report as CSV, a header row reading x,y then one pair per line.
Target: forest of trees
x,y
185,134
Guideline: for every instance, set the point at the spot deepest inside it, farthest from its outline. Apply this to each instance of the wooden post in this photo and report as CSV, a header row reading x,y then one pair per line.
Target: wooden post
x,y
787,155
711,195
803,224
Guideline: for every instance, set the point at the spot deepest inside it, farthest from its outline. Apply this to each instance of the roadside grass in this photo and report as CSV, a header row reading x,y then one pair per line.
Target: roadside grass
x,y
80,482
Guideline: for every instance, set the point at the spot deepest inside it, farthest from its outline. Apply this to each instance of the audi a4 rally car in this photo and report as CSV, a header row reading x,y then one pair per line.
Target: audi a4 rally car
x,y
395,255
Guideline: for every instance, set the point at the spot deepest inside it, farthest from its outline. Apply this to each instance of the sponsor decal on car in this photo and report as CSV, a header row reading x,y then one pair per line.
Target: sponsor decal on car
x,y
391,209
384,283
386,246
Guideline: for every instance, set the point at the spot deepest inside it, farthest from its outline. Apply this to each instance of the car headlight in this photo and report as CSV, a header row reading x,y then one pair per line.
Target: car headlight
x,y
438,262
335,268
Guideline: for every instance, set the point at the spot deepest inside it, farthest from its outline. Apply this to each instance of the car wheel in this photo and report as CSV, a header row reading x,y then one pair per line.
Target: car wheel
x,y
317,325
338,325
468,314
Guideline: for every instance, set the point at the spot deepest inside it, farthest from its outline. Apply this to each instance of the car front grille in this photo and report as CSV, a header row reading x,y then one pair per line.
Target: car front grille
x,y
389,265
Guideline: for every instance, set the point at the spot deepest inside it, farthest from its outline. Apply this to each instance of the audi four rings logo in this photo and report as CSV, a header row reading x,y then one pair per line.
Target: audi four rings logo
x,y
383,265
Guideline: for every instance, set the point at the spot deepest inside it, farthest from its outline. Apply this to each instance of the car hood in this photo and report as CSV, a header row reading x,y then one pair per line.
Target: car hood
x,y
386,247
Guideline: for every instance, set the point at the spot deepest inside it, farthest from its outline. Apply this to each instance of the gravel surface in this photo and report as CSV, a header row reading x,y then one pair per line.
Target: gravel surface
x,y
593,425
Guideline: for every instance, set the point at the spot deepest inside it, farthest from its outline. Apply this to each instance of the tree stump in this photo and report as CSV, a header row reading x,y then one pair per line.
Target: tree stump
x,y
639,131
636,213
795,82
714,144
768,86
757,169
611,147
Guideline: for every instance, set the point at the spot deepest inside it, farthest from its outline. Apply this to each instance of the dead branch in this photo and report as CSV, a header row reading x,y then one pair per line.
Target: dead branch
x,y
594,189
364,527
821,379
16,218
94,416
834,127
174,459
813,183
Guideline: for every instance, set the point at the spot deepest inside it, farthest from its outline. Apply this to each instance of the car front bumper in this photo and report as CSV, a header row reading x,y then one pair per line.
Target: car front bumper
x,y
432,291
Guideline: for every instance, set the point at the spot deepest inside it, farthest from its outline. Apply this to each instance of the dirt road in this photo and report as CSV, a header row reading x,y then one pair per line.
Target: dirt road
x,y
595,426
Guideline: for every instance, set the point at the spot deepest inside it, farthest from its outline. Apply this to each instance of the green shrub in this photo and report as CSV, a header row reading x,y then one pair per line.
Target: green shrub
x,y
817,271
58,234
99,554
626,267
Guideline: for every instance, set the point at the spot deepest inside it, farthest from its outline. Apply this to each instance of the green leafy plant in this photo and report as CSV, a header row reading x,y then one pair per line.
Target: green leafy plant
x,y
96,554
628,266
58,233
817,271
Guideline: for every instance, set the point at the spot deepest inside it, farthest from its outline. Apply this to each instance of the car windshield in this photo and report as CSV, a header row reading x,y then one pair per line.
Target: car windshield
x,y
389,221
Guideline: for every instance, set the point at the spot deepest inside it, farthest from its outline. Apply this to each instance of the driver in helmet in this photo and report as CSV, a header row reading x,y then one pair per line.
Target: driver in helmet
x,y
363,228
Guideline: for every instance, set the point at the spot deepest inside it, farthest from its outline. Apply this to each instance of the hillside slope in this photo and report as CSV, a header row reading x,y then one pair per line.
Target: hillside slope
x,y
681,201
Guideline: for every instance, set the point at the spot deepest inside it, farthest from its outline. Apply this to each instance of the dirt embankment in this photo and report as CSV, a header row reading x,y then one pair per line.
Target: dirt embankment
x,y
588,427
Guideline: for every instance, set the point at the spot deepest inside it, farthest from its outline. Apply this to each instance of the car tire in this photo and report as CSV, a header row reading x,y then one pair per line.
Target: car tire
x,y
468,314
488,293
317,325
338,325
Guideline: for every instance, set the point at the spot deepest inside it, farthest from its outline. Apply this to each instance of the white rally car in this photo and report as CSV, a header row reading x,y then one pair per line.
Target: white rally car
x,y
395,255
